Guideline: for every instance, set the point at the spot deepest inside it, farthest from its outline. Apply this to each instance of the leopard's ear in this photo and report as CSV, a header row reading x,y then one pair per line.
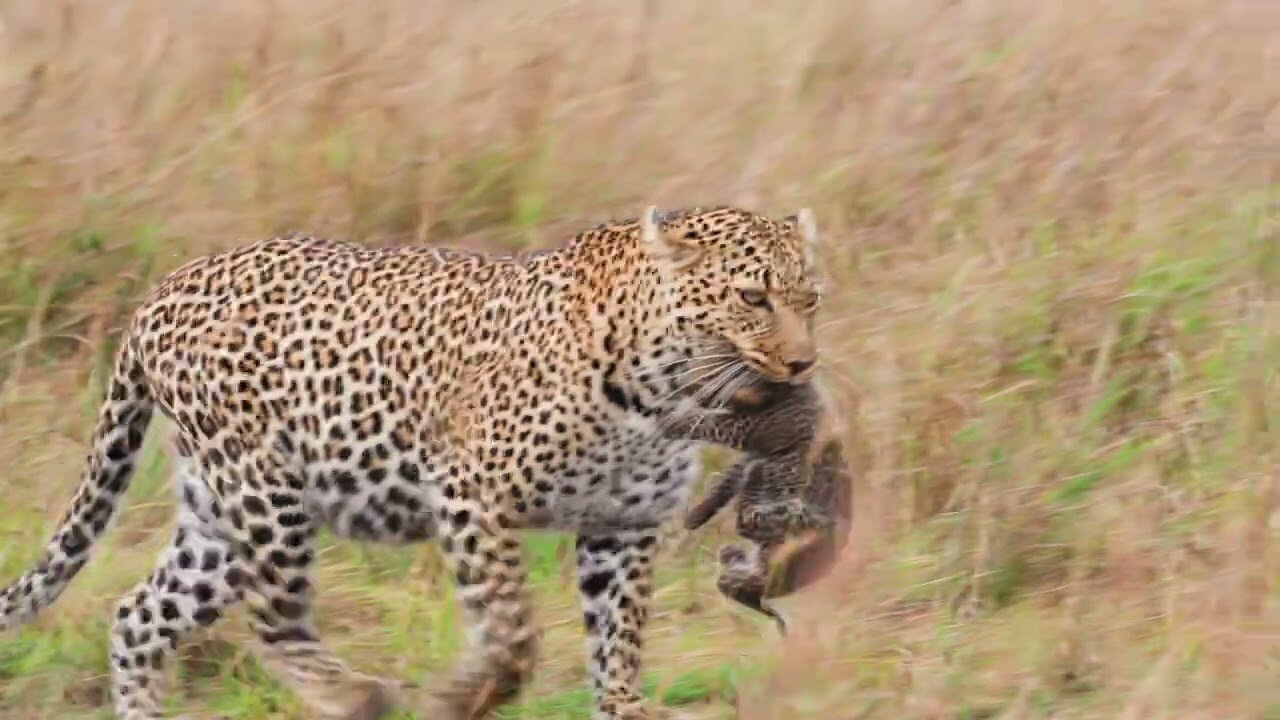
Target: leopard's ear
x,y
807,227
667,248
804,227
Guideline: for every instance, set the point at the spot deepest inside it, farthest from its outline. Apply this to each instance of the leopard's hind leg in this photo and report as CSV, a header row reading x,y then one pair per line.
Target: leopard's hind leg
x,y
195,580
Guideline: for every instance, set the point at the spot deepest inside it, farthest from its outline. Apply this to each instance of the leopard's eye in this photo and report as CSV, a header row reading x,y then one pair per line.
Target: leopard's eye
x,y
754,298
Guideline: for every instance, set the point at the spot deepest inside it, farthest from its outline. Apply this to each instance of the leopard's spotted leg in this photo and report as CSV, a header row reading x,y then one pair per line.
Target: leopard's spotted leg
x,y
491,580
273,536
194,581
615,580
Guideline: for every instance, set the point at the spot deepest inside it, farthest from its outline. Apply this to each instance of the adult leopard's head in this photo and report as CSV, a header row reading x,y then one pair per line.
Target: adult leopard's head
x,y
741,282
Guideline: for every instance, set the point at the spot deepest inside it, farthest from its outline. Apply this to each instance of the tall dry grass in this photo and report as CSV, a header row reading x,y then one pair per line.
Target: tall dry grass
x,y
1052,234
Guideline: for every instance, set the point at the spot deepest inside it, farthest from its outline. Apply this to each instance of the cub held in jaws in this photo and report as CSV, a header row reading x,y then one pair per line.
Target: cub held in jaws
x,y
408,394
793,490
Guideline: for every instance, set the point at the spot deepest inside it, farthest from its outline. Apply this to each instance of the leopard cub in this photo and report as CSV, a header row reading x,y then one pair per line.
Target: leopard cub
x,y
792,486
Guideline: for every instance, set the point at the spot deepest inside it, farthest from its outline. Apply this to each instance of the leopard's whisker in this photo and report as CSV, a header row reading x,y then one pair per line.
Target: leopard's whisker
x,y
717,375
704,371
738,371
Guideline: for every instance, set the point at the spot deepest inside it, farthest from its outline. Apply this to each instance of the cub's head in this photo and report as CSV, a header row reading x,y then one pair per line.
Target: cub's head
x,y
743,282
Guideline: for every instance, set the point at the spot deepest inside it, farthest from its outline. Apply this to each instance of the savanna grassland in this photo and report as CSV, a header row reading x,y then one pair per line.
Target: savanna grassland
x,y
1053,237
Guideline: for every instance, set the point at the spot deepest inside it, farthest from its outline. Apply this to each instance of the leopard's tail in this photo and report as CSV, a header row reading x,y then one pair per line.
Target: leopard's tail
x,y
122,423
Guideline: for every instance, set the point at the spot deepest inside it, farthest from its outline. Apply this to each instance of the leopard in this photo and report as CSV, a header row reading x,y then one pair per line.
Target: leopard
x,y
416,393
793,488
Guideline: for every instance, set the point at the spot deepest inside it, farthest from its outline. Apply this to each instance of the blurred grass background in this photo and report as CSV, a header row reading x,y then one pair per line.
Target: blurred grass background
x,y
1054,240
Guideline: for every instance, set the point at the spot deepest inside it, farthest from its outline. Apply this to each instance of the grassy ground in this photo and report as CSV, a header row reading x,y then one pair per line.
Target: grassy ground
x,y
1055,244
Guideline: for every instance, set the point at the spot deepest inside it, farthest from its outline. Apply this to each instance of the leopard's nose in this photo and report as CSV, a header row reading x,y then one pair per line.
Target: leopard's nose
x,y
797,367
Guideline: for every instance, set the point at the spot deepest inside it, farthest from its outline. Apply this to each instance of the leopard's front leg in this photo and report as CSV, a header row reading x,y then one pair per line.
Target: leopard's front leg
x,y
615,581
